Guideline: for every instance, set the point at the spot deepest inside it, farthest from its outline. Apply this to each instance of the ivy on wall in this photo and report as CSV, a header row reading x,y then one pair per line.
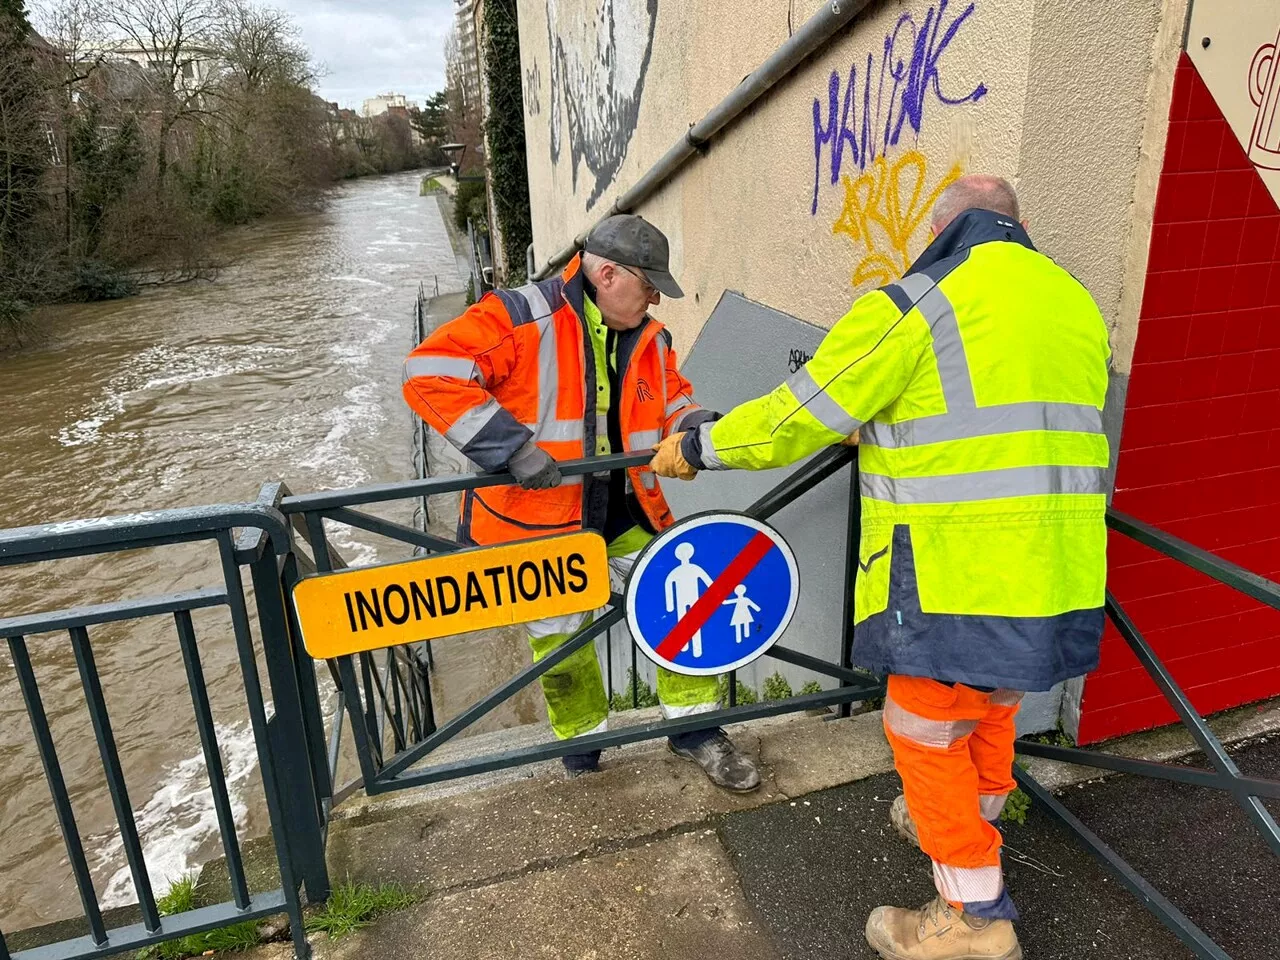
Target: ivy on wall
x,y
504,132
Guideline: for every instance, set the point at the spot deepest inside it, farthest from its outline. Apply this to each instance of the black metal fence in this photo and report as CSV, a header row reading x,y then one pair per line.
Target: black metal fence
x,y
391,740
289,781
1225,775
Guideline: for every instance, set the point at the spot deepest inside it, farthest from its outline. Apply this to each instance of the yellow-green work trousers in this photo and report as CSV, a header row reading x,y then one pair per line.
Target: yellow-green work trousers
x,y
575,692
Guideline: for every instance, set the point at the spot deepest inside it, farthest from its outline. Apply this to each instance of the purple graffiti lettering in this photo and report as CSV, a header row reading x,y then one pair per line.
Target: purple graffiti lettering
x,y
910,67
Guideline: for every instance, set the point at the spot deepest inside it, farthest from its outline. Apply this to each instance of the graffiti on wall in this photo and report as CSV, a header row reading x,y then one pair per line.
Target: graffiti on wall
x,y
533,90
882,210
1264,91
600,52
865,114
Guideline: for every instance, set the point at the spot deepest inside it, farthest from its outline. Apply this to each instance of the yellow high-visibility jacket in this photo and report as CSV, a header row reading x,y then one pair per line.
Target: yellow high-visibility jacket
x,y
978,382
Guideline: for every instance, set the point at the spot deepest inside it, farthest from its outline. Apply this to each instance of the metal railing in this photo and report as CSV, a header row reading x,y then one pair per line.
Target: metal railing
x,y
289,784
386,698
389,746
1225,775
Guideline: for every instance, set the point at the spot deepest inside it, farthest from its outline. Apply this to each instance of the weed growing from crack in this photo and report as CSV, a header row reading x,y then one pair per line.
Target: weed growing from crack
x,y
181,898
354,905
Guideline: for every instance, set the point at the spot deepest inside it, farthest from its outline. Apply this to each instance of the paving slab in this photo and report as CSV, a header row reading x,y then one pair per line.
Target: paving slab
x,y
804,757
473,838
673,898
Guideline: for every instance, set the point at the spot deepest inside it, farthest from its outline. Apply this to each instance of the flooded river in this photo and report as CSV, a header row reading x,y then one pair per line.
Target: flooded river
x,y
286,367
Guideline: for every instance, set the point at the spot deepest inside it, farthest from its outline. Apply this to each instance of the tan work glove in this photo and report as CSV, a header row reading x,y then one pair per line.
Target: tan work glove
x,y
668,461
853,439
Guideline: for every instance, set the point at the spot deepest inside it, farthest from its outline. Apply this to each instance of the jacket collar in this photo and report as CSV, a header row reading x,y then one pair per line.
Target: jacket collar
x,y
971,228
577,286
574,285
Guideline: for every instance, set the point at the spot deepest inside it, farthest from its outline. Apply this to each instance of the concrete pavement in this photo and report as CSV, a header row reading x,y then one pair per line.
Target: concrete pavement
x,y
646,861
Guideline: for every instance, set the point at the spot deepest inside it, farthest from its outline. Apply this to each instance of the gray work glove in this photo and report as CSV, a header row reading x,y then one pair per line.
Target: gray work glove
x,y
533,468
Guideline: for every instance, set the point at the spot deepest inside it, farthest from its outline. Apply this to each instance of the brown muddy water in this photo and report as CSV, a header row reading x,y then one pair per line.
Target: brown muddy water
x,y
285,367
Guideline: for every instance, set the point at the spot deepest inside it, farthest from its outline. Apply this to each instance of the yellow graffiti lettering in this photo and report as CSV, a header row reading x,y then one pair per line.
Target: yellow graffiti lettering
x,y
882,211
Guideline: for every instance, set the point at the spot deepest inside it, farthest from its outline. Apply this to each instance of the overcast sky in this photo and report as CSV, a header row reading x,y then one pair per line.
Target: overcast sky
x,y
365,48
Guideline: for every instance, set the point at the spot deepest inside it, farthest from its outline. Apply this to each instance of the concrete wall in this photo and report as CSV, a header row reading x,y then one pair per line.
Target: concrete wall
x,y
1067,99
823,190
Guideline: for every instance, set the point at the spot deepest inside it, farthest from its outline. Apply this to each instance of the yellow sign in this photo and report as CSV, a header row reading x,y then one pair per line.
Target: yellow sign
x,y
371,607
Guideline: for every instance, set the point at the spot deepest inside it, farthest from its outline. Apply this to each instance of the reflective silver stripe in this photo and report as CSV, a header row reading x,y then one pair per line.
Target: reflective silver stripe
x,y
929,733
948,350
709,459
985,422
673,713
538,305
547,426
466,427
548,370
689,411
561,430
649,480
643,439
434,365
678,403
986,485
820,403
1007,698
602,427
991,804
915,285
968,884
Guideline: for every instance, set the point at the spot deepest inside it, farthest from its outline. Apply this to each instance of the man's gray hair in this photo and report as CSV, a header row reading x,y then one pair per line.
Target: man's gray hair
x,y
975,191
592,263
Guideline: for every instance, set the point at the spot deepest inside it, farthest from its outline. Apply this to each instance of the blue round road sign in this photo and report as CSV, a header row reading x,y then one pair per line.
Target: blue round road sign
x,y
712,593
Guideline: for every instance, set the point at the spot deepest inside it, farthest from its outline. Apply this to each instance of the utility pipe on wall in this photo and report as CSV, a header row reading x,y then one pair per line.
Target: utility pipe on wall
x,y
800,46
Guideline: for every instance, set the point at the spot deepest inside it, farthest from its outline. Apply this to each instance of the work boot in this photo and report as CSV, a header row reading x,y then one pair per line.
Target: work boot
x,y
579,764
724,764
900,817
939,931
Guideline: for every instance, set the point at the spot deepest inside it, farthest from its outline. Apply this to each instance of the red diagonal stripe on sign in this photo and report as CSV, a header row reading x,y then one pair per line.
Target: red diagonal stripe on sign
x,y
716,594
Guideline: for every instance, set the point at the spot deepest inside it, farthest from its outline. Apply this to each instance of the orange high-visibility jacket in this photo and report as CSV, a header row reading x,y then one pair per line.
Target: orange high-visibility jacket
x,y
519,365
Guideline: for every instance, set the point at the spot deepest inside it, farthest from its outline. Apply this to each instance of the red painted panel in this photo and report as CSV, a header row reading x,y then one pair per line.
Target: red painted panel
x,y
1200,448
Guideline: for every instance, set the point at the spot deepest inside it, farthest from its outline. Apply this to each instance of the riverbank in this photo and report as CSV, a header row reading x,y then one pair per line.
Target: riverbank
x,y
190,247
287,366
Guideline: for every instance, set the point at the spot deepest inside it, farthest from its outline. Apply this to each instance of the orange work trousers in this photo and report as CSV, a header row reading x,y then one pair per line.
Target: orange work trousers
x,y
953,748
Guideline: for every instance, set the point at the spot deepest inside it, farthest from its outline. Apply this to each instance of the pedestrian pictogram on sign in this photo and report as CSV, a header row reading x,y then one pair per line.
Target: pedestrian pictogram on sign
x,y
712,593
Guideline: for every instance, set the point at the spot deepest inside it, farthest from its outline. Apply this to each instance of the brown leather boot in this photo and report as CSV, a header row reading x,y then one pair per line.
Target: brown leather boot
x,y
902,822
938,931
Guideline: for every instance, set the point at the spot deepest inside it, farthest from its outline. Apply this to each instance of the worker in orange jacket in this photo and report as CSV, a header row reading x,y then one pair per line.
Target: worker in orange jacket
x,y
558,370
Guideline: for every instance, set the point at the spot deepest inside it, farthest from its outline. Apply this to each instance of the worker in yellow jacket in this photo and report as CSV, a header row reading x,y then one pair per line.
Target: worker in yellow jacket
x,y
975,384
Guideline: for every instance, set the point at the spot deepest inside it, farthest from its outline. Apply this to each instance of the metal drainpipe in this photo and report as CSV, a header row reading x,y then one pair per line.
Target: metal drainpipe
x,y
529,263
808,40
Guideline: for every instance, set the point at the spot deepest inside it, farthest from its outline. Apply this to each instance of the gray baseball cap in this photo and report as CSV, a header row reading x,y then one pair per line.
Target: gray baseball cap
x,y
634,242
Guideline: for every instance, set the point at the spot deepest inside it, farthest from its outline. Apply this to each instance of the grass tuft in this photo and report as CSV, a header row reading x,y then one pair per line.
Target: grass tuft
x,y
180,898
354,905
